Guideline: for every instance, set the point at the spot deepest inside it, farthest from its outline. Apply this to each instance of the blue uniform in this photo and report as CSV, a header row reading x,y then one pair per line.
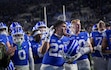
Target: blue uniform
x,y
35,46
3,38
82,38
108,37
97,39
21,54
53,56
30,38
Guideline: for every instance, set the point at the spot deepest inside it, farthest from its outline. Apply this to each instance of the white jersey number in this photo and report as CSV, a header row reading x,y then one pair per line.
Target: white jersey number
x,y
56,50
82,42
98,40
22,54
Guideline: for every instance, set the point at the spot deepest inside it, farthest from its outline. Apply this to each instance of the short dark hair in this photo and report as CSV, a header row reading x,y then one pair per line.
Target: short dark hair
x,y
59,22
107,24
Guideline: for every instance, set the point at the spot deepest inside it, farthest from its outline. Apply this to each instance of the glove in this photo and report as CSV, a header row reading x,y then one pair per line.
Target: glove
x,y
50,31
98,48
86,44
84,50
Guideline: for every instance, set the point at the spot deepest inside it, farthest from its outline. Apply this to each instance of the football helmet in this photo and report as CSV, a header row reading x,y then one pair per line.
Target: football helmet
x,y
68,27
41,26
35,28
15,25
94,28
3,28
17,35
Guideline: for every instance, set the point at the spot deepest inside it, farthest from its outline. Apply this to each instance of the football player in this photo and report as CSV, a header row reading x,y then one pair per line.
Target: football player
x,y
96,41
72,48
16,25
23,57
84,44
36,44
53,46
106,46
41,26
5,40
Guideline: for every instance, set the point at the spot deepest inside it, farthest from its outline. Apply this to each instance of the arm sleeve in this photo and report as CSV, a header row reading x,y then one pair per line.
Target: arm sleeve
x,y
31,60
5,39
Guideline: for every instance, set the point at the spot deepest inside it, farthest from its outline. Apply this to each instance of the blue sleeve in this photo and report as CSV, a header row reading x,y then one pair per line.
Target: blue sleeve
x,y
5,39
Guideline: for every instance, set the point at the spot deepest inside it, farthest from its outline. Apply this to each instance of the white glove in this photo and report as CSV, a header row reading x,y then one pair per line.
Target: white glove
x,y
50,31
86,44
99,48
84,50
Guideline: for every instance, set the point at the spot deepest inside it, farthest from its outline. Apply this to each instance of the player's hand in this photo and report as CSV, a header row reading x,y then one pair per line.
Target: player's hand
x,y
85,50
70,59
50,31
11,51
98,48
75,57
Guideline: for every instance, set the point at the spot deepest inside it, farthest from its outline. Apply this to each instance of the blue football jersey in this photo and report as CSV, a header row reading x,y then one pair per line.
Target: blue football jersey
x,y
53,56
31,38
35,46
26,37
82,37
108,37
10,39
3,38
21,54
97,39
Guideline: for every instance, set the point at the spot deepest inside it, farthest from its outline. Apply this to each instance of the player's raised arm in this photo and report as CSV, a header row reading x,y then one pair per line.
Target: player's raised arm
x,y
45,45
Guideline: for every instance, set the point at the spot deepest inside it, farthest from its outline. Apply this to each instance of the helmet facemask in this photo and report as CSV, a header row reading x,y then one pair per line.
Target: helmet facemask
x,y
18,39
4,31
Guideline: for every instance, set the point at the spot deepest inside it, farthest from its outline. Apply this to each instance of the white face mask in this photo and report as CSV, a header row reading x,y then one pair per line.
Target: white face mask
x,y
4,32
18,40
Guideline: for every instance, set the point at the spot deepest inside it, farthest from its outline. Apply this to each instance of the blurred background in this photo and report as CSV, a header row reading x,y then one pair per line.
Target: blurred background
x,y
28,12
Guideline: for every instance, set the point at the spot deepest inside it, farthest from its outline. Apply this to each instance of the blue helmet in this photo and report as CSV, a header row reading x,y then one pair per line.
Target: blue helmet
x,y
40,24
17,36
94,27
15,25
3,25
68,24
17,31
35,28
